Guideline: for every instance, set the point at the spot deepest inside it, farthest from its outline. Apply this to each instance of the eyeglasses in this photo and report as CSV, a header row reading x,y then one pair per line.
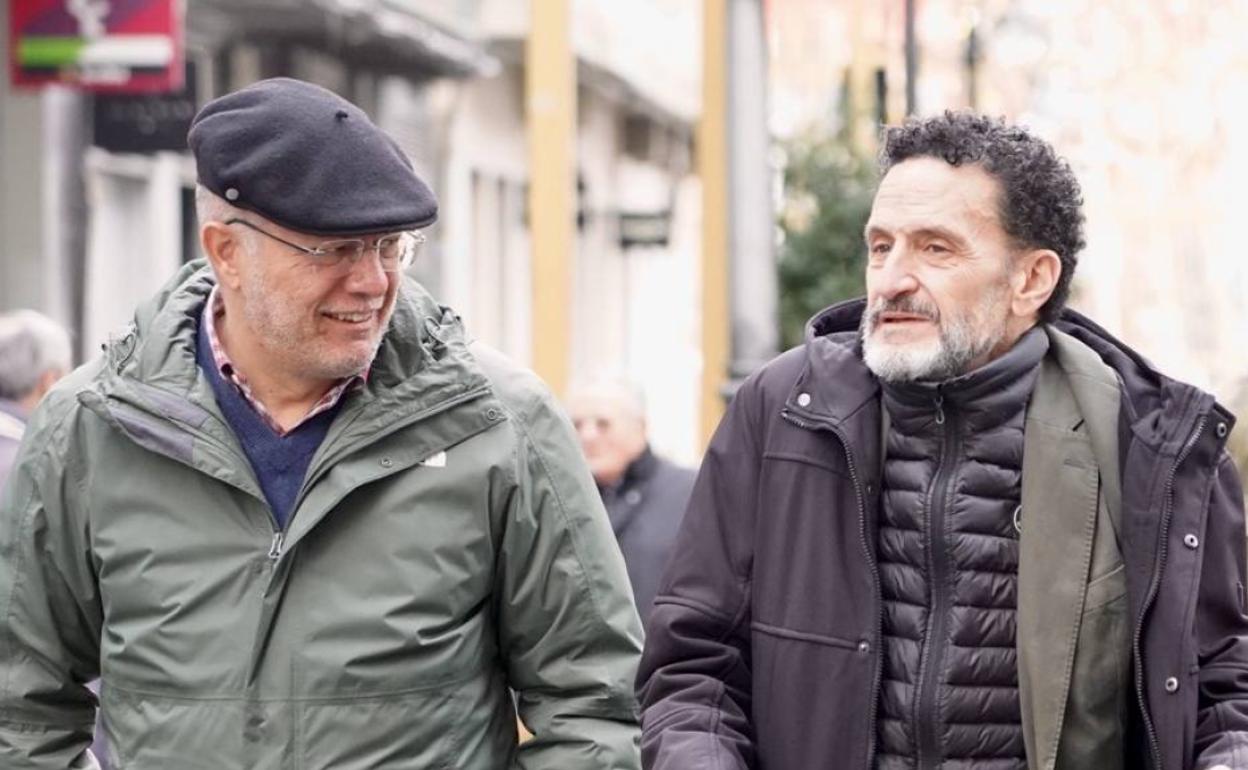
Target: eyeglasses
x,y
396,251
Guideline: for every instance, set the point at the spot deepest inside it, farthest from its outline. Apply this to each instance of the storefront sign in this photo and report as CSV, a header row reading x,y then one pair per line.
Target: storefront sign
x,y
645,229
145,123
122,46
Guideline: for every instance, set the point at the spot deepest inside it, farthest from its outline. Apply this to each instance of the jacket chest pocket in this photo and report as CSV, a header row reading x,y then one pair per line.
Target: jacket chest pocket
x,y
814,449
810,574
392,589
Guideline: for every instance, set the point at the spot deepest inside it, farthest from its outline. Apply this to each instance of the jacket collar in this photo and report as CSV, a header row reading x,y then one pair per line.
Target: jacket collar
x,y
640,469
835,383
985,398
150,385
1158,410
423,355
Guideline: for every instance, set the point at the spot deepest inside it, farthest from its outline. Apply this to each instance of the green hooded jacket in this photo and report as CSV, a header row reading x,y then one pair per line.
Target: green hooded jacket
x,y
447,565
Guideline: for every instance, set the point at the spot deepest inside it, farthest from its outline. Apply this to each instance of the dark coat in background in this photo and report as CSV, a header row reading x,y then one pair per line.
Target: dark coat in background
x,y
762,650
645,510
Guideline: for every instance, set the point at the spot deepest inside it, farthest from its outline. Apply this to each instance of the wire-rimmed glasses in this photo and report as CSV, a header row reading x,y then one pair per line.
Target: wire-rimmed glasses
x,y
395,251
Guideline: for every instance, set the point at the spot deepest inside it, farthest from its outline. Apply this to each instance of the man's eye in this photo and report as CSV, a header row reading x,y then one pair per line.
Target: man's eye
x,y
344,250
880,248
937,248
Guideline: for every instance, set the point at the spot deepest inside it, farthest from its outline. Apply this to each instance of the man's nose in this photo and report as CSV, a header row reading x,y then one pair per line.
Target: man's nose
x,y
366,276
894,277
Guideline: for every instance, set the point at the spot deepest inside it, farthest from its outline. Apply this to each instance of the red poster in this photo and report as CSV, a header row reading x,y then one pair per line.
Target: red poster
x,y
119,46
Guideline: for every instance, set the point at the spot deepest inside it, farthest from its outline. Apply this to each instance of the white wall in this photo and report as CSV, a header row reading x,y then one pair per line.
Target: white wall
x,y
23,281
637,311
134,243
486,264
633,312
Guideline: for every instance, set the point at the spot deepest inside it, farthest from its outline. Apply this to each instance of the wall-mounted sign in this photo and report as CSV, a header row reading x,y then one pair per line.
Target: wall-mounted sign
x,y
123,46
144,123
645,229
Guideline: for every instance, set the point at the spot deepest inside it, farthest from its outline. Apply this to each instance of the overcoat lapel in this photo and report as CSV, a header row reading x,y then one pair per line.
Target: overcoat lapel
x,y
1058,526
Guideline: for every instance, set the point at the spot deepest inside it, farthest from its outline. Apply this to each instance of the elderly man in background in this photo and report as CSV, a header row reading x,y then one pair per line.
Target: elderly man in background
x,y
292,517
35,352
645,495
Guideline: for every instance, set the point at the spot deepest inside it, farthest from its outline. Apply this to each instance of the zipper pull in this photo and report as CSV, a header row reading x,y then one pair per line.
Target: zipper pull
x,y
275,550
940,409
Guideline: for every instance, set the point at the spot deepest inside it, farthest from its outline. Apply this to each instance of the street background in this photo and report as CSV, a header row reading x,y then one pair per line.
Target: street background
x,y
665,188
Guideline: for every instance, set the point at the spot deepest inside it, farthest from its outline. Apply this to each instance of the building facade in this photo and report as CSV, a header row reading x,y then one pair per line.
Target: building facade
x,y
89,231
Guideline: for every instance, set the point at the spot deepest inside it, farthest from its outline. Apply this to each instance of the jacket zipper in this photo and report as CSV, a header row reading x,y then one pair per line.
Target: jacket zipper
x,y
279,533
810,422
927,723
1154,744
275,549
278,542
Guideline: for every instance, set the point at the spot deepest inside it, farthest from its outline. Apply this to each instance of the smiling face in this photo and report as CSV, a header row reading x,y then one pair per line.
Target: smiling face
x,y
943,276
307,323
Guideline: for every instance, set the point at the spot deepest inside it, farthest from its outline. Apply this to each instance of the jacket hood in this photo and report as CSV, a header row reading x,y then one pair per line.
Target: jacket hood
x,y
1160,410
423,355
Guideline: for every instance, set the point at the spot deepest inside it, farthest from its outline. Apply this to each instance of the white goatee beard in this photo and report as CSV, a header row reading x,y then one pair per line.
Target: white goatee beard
x,y
962,339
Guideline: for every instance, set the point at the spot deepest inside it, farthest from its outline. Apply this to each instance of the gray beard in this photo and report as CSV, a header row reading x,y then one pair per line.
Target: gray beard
x,y
962,340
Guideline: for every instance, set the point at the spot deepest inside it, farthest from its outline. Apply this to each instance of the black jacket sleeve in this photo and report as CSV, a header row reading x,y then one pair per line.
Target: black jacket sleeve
x,y
1222,629
695,683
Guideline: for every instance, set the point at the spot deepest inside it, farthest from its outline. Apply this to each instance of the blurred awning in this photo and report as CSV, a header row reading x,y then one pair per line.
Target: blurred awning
x,y
393,35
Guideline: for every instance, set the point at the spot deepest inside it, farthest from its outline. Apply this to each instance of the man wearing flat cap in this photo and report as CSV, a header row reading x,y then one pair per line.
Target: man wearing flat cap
x,y
293,518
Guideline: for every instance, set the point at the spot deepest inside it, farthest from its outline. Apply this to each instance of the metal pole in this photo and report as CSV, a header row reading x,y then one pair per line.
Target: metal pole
x,y
912,62
755,329
712,161
972,68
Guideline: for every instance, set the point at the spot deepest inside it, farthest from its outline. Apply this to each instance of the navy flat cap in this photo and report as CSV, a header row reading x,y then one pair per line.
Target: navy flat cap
x,y
306,158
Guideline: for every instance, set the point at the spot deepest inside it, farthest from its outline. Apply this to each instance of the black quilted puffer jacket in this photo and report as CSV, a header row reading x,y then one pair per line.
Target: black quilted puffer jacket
x,y
948,555
764,646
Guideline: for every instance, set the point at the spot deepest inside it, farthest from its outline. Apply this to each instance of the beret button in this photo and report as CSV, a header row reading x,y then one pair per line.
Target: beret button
x,y
231,194
342,114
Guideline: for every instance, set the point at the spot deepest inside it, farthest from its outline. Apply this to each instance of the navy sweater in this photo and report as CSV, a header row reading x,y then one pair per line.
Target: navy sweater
x,y
280,462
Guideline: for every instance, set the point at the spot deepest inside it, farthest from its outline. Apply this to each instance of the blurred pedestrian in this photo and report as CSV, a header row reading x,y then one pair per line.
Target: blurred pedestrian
x,y
35,352
645,494
961,526
293,517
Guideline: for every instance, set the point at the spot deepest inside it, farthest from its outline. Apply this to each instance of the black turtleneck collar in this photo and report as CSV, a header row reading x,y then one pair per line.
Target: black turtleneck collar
x,y
984,398
641,468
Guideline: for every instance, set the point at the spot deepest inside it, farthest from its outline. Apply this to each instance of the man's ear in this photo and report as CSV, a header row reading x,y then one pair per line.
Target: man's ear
x,y
224,249
1035,276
